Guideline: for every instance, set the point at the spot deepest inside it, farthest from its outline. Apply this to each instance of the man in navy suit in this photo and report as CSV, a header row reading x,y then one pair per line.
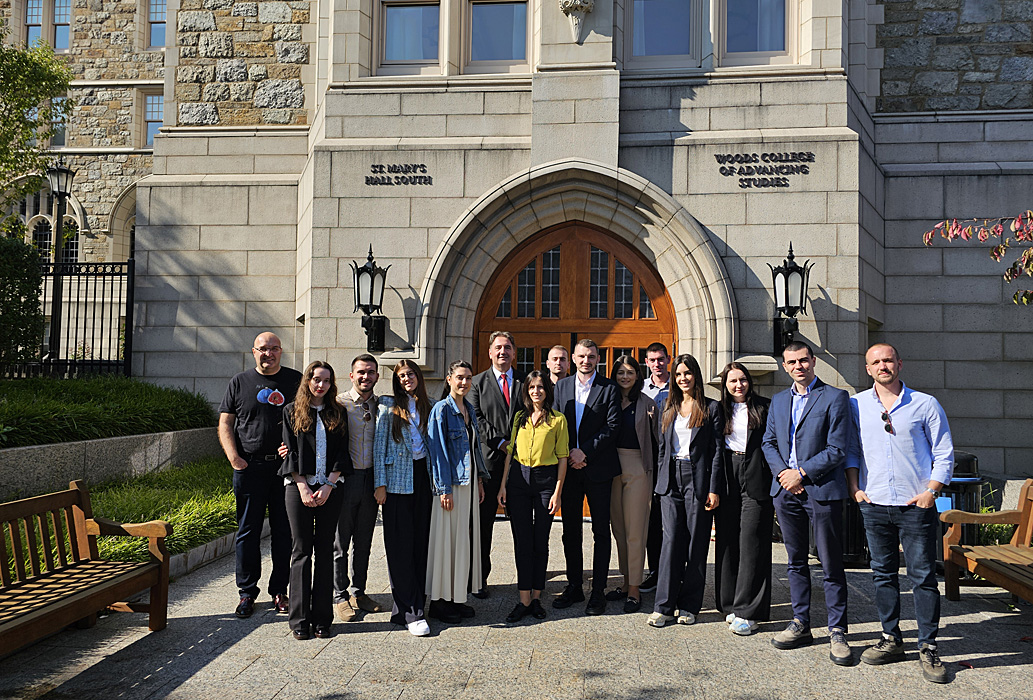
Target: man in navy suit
x,y
806,444
591,404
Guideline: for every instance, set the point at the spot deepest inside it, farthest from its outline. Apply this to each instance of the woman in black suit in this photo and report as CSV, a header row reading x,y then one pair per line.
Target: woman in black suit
x,y
742,570
689,482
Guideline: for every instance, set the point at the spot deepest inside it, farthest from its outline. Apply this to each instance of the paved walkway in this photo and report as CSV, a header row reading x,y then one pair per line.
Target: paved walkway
x,y
207,653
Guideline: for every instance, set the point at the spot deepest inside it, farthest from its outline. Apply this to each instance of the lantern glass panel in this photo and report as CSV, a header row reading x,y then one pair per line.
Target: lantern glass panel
x,y
795,289
377,299
780,290
363,287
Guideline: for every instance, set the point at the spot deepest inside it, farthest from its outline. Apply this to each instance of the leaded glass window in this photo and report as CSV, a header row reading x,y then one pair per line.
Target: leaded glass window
x,y
551,283
623,291
599,277
506,305
645,306
43,238
525,360
525,291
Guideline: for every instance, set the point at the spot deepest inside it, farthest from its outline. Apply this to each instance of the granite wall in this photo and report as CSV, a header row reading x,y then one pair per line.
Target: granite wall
x,y
949,55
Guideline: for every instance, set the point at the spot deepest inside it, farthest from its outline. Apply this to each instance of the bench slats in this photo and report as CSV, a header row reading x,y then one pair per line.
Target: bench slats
x,y
14,530
39,504
59,536
998,553
5,575
48,554
30,539
73,534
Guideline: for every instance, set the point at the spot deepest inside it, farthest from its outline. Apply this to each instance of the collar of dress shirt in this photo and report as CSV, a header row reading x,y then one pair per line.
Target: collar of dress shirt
x,y
659,387
900,397
586,385
498,375
810,386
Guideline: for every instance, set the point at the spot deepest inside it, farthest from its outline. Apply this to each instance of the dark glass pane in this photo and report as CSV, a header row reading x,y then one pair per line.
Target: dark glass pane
x,y
661,27
551,283
756,25
603,368
70,246
42,238
525,291
158,34
623,291
506,305
411,32
61,37
525,360
544,356
599,282
498,31
645,306
34,36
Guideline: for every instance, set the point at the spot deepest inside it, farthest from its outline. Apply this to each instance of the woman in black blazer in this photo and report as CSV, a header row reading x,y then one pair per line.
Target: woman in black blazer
x,y
315,431
690,483
742,569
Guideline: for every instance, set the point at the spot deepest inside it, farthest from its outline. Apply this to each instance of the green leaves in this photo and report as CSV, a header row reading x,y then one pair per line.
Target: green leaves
x,y
21,283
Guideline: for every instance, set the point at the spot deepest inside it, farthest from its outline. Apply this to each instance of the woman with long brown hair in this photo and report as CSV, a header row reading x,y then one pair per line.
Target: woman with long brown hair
x,y
401,473
742,564
315,432
689,483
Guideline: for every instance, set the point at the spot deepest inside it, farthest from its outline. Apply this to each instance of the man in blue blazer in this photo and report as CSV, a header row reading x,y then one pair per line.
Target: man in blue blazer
x,y
806,444
591,404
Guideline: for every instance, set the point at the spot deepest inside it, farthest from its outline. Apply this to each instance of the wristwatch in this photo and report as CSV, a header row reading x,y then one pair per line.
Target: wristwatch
x,y
934,492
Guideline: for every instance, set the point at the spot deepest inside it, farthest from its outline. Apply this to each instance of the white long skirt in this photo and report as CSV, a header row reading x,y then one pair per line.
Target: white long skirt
x,y
454,554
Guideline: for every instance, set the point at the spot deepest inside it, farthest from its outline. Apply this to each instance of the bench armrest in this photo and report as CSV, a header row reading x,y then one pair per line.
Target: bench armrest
x,y
104,526
1001,517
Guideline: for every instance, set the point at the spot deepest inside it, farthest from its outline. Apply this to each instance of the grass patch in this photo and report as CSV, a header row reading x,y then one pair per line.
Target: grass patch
x,y
44,410
196,498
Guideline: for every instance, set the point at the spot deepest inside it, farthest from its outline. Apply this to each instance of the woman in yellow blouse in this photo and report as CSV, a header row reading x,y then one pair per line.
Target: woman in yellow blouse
x,y
532,481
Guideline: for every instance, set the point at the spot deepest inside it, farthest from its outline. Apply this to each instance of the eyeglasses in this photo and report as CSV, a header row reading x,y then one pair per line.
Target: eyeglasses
x,y
888,421
274,348
366,415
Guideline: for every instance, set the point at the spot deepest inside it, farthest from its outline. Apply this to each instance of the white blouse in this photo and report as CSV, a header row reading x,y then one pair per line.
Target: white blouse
x,y
683,436
736,440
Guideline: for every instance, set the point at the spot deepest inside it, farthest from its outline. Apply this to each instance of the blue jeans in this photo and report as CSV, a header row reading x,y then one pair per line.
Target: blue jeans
x,y
915,529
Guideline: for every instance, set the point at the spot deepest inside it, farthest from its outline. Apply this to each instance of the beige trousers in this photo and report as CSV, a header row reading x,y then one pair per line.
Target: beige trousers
x,y
630,498
455,539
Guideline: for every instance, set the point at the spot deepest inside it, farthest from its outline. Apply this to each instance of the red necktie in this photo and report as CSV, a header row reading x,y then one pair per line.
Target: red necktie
x,y
505,388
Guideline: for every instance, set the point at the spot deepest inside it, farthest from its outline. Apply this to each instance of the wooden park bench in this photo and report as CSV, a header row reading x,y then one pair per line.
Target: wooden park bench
x,y
51,575
1009,566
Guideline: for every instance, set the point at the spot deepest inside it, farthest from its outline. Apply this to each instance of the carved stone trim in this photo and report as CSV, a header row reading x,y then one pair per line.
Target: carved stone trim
x,y
575,10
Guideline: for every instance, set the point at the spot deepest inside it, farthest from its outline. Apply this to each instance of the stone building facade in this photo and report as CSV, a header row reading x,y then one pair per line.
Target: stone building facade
x,y
609,177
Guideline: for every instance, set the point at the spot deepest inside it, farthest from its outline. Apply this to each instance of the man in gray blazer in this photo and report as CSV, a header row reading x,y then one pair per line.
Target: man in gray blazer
x,y
806,444
496,397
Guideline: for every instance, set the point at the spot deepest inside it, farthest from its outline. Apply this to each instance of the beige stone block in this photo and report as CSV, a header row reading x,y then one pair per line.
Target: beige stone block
x,y
270,262
246,288
843,207
912,317
439,213
271,205
716,209
508,102
185,364
553,112
192,313
182,146
325,211
485,169
809,241
915,198
442,103
388,212
424,126
165,263
717,95
786,208
210,165
915,262
287,165
354,243
921,290
786,116
323,272
249,237
274,315
488,125
151,237
596,142
599,110
197,205
226,340
581,86
166,339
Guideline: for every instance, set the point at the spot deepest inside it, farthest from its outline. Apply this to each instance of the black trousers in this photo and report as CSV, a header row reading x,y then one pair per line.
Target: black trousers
x,y
655,534
528,492
312,532
488,508
354,531
257,488
406,538
742,565
575,490
683,556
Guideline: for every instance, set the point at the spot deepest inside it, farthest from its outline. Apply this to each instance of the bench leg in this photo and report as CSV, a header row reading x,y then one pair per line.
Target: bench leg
x,y
86,622
159,606
951,575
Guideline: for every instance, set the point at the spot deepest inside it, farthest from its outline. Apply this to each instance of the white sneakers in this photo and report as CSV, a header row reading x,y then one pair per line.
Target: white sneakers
x,y
658,619
742,627
419,628
686,618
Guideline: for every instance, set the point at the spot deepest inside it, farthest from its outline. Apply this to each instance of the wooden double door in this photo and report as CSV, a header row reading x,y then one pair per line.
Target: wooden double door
x,y
575,281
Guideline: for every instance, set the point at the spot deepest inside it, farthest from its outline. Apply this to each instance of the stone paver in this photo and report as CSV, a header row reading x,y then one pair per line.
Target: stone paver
x,y
207,653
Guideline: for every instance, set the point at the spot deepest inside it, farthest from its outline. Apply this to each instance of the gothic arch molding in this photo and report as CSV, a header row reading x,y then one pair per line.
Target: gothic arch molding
x,y
614,199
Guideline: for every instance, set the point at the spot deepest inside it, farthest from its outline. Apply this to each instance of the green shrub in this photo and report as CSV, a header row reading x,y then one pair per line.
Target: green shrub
x,y
21,282
44,410
196,498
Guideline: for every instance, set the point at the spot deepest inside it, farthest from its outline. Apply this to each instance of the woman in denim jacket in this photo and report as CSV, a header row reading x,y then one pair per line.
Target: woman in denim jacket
x,y
456,464
401,473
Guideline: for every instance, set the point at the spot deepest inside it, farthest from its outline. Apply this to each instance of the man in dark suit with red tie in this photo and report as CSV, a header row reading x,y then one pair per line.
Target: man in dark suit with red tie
x,y
496,397
591,404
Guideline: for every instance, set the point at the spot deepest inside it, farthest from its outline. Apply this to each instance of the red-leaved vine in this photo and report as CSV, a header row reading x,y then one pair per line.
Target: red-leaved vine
x,y
1021,227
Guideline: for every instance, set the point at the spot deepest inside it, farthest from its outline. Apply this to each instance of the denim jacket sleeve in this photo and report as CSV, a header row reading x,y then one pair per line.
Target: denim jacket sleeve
x,y
380,446
437,434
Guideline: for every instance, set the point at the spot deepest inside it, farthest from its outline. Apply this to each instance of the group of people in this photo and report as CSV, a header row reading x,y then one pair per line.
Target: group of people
x,y
658,463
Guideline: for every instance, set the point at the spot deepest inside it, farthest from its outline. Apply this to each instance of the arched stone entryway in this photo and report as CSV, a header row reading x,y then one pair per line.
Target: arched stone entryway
x,y
624,204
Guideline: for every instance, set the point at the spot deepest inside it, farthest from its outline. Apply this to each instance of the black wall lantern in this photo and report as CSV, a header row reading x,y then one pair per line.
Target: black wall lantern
x,y
790,286
370,281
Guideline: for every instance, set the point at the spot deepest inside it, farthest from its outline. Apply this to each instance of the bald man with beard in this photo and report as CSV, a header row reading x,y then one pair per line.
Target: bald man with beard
x,y
250,431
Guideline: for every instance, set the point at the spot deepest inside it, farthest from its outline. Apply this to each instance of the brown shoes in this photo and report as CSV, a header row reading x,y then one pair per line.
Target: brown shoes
x,y
364,602
345,611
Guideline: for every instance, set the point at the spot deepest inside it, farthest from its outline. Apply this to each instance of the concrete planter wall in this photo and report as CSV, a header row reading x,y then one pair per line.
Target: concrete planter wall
x,y
30,471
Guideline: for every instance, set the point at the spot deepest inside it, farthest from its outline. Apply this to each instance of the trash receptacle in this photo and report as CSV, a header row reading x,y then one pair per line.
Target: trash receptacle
x,y
965,492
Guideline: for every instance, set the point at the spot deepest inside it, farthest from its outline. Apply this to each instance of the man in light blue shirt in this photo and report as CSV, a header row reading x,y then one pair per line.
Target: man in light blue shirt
x,y
895,470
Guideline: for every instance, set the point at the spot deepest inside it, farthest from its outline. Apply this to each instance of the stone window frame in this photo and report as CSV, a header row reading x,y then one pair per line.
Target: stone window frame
x,y
144,25
33,216
54,24
481,67
790,56
19,23
64,119
140,113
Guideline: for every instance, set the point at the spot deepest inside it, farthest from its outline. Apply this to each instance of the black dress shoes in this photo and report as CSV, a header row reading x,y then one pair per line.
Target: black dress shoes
x,y
617,594
518,613
537,611
596,604
569,596
323,632
632,605
302,633
480,593
464,610
649,585
246,607
444,610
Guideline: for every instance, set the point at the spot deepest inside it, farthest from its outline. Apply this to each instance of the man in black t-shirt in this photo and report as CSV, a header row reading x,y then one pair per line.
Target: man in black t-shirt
x,y
250,431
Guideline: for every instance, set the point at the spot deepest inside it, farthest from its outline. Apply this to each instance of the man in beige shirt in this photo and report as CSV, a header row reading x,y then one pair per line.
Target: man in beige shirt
x,y
359,512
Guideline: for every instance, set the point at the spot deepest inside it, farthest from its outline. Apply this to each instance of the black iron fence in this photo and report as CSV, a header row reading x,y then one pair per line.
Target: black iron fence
x,y
93,332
